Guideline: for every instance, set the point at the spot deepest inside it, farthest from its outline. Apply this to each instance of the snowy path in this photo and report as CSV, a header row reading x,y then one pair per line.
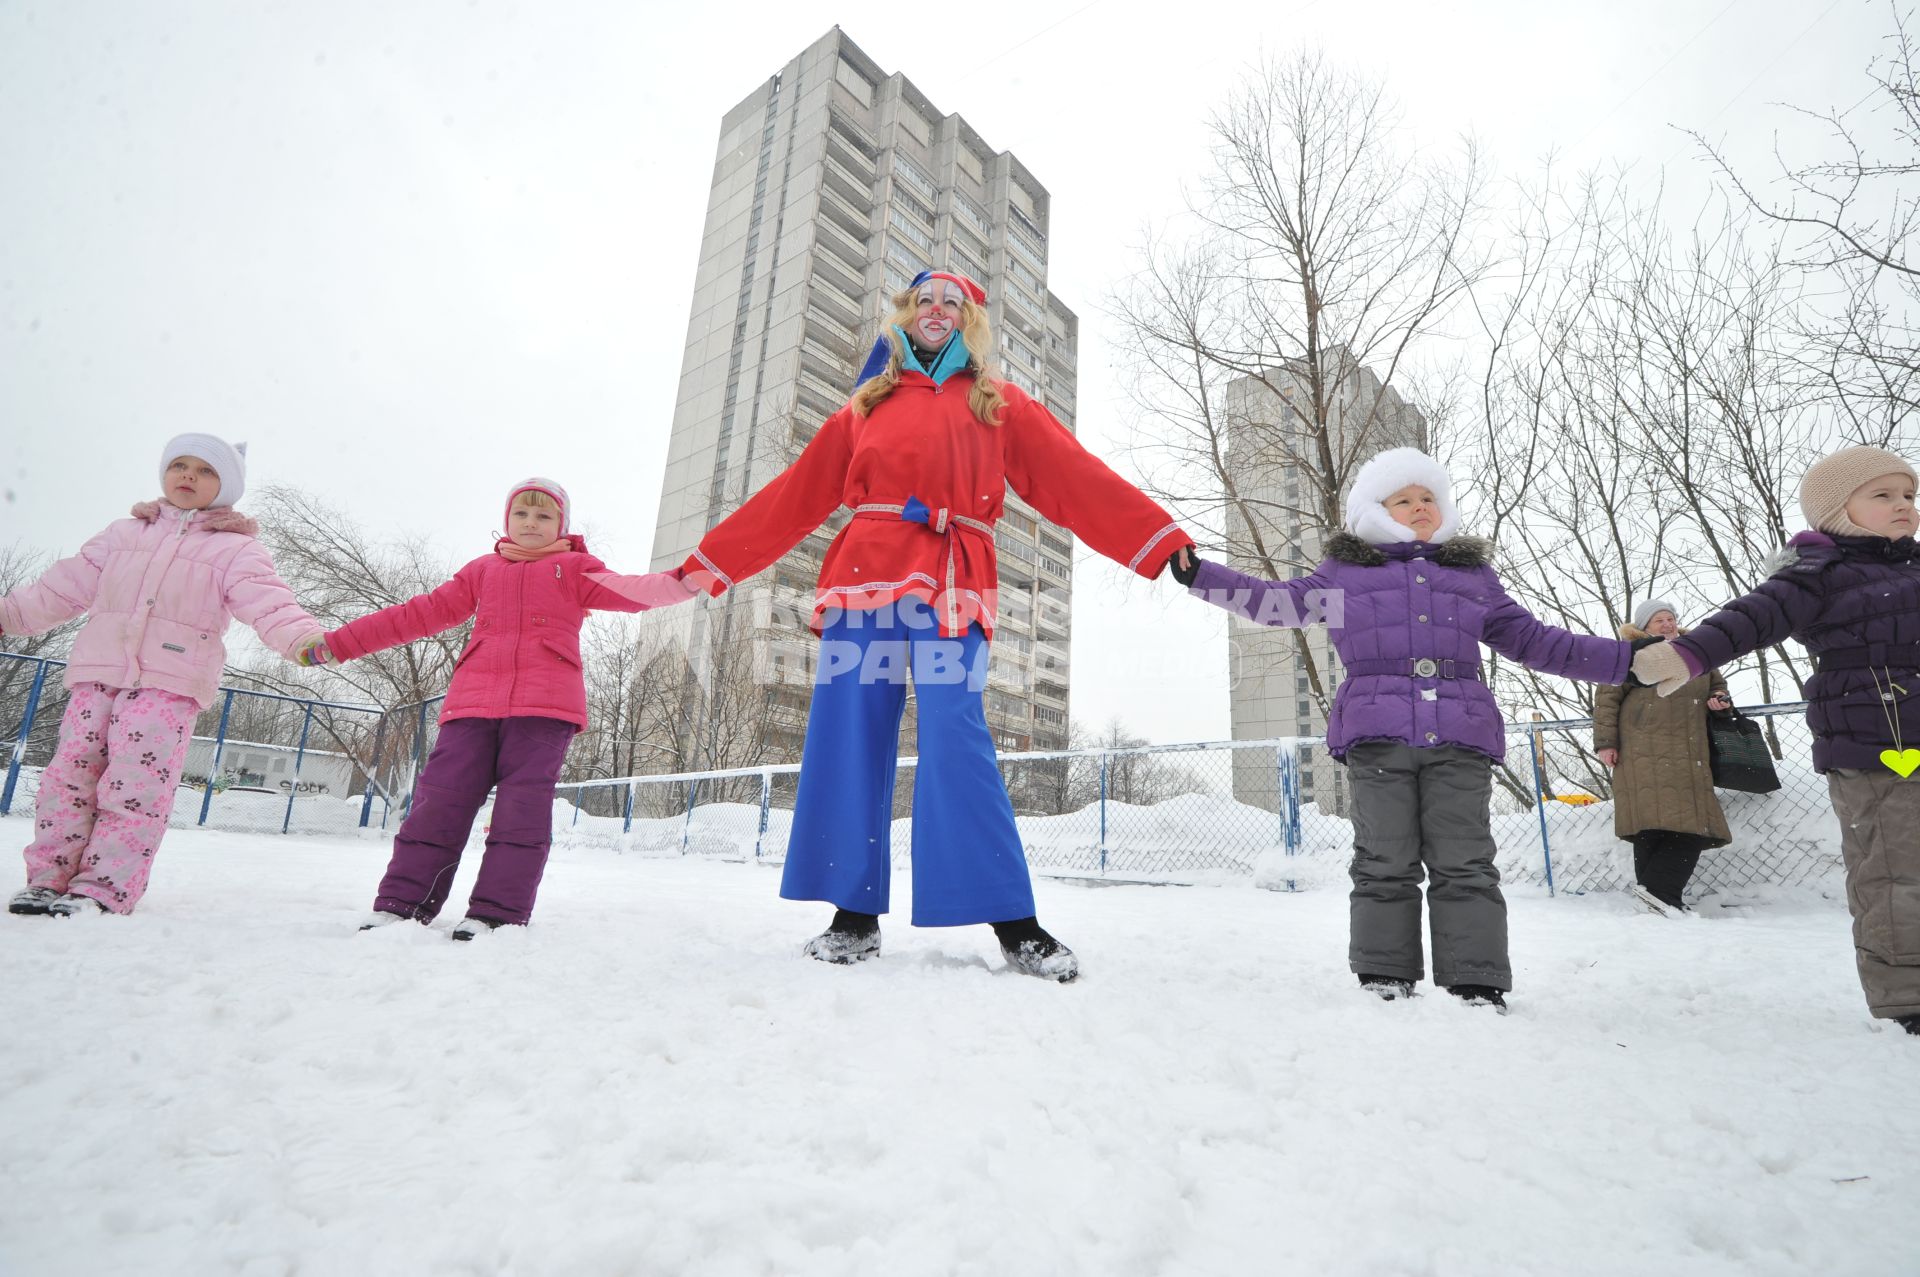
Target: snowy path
x,y
649,1081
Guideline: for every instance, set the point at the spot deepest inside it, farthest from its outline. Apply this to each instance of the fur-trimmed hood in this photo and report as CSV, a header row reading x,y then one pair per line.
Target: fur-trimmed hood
x,y
221,518
1385,474
1456,552
1633,633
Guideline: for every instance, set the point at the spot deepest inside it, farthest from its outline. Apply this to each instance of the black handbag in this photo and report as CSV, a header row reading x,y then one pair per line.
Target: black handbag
x,y
1741,759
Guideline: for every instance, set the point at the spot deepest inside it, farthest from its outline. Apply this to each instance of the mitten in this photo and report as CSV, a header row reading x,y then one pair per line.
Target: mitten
x,y
314,652
1658,665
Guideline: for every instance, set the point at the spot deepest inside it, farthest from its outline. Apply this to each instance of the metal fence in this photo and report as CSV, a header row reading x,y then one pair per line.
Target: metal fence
x,y
259,762
1270,812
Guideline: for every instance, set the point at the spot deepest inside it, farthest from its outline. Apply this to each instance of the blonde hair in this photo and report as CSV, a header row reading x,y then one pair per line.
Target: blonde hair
x,y
984,398
535,498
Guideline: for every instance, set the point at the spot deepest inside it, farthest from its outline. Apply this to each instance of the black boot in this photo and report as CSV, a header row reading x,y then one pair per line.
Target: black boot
x,y
1029,950
1911,1023
1479,995
1389,987
851,937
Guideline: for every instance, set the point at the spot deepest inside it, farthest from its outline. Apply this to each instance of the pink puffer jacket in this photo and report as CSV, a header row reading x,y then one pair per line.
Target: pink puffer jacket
x,y
524,656
159,591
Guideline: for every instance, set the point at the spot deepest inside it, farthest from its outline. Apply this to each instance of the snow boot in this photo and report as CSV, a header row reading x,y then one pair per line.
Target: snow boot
x,y
1652,903
469,927
851,937
1479,995
1388,987
71,906
32,900
1911,1023
380,918
1029,950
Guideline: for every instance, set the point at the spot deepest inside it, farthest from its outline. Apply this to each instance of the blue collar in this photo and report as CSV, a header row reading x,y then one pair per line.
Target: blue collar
x,y
951,359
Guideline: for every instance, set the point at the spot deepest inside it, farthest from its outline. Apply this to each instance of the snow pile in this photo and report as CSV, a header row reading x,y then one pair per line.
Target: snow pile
x,y
650,1081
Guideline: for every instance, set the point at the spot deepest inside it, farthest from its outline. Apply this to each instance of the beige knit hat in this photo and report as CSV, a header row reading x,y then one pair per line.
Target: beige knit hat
x,y
1834,478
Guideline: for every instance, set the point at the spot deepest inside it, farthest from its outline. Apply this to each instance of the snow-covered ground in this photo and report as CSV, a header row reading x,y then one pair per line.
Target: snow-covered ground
x,y
650,1081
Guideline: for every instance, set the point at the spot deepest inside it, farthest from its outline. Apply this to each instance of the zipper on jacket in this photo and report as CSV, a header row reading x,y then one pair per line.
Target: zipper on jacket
x,y
147,604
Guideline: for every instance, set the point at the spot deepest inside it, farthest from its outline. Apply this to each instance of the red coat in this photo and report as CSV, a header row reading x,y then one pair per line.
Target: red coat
x,y
923,444
524,656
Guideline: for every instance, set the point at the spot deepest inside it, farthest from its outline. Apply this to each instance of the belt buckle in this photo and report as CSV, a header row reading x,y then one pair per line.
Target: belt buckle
x,y
1425,667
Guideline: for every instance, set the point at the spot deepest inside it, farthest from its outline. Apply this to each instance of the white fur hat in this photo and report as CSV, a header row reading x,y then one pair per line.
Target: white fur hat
x,y
1381,477
229,461
1644,612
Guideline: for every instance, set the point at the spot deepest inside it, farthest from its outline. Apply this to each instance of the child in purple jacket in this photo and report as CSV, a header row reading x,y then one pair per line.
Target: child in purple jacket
x,y
1407,604
1850,592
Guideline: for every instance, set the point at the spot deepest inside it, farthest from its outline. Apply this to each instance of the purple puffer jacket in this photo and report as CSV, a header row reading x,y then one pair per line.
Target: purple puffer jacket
x,y
1854,602
1389,608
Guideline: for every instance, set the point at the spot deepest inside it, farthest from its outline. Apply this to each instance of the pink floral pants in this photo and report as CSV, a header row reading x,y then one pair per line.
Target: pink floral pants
x,y
105,797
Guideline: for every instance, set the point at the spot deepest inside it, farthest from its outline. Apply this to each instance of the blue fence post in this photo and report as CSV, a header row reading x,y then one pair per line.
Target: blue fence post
x,y
372,772
1540,803
299,756
219,747
766,805
20,745
419,750
1288,761
686,829
1103,811
626,815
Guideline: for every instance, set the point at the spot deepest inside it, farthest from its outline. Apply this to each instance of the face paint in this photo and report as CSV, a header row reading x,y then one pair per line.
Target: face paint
x,y
937,312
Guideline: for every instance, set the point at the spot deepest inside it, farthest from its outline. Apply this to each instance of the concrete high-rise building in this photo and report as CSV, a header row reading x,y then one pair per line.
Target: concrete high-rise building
x,y
1271,693
834,184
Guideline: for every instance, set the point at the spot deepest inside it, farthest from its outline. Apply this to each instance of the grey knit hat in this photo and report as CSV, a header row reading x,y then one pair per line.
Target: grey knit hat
x,y
1834,478
1644,613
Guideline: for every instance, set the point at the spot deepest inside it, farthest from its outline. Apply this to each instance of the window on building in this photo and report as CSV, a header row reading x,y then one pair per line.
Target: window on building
x,y
915,177
902,255
905,225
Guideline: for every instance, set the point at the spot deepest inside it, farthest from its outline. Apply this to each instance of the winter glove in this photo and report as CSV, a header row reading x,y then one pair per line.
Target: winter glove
x,y
1658,665
314,652
1185,575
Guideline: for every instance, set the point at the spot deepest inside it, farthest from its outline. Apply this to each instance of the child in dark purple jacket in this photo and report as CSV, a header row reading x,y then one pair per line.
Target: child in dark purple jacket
x,y
1407,604
1850,592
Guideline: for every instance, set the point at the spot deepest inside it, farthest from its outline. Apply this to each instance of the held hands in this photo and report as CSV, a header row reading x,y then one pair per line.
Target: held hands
x,y
314,652
1185,565
1658,665
1719,700
1611,757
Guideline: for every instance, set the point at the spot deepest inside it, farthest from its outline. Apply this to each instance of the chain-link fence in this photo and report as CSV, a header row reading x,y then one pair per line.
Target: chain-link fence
x,y
1273,812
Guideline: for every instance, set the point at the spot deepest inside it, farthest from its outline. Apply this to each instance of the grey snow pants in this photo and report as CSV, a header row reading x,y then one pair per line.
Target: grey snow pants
x,y
1880,843
1425,807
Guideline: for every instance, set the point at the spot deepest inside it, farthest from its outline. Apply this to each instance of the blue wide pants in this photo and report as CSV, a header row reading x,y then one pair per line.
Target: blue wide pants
x,y
968,866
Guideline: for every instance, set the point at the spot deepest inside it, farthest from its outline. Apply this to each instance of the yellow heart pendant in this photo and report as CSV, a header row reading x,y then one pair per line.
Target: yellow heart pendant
x,y
1903,761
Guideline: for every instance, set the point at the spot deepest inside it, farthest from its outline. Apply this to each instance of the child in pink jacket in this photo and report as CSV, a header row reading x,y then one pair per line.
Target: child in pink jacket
x,y
159,590
516,699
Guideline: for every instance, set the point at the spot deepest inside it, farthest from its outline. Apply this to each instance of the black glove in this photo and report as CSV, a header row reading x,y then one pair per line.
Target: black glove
x,y
1185,575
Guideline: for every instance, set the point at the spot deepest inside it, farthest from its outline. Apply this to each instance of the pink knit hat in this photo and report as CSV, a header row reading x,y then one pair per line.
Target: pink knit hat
x,y
548,486
1836,477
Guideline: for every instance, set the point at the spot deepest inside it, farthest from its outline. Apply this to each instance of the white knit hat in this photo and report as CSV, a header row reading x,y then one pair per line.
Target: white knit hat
x,y
1384,475
552,489
1644,613
229,461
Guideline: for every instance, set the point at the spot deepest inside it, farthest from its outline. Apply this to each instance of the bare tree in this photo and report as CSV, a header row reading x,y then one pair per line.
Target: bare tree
x,y
1274,340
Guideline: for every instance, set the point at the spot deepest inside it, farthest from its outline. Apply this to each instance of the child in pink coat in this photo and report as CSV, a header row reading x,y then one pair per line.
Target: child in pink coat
x,y
516,699
159,590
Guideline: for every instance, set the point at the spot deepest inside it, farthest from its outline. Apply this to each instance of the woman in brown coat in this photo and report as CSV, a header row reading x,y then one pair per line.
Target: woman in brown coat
x,y
1663,799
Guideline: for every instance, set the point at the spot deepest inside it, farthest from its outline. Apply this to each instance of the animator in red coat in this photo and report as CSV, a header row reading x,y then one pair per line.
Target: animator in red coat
x,y
923,455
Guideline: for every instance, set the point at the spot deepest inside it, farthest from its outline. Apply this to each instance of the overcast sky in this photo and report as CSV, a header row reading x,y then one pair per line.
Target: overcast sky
x,y
413,252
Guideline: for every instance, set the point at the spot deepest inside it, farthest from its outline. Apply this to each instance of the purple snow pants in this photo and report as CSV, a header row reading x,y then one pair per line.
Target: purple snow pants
x,y
522,757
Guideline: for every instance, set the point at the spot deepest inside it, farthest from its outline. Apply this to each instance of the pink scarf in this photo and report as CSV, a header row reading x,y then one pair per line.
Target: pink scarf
x,y
515,553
